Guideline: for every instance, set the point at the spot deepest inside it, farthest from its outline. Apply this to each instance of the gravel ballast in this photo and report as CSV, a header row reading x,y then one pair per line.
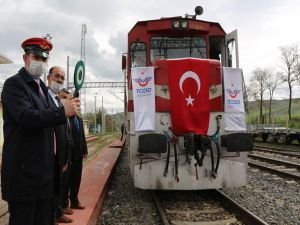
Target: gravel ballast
x,y
125,204
274,199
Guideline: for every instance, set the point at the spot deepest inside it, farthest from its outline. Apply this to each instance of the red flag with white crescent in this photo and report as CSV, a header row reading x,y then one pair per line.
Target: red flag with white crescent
x,y
189,95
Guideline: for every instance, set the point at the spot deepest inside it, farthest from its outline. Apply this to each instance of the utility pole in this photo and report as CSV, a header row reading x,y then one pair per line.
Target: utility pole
x,y
95,113
82,57
48,37
68,65
83,33
112,120
124,61
103,118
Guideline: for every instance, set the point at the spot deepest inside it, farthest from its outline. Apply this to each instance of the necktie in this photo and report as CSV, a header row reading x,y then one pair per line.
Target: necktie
x,y
41,93
76,123
54,141
54,136
58,101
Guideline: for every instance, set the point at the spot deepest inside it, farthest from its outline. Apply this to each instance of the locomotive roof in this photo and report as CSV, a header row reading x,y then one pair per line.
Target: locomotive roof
x,y
144,22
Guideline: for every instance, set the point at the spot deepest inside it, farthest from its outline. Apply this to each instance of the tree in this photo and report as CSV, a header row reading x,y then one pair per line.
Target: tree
x,y
258,87
298,72
246,95
290,60
273,81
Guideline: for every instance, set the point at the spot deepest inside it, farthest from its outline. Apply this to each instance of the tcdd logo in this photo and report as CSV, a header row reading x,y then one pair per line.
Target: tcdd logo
x,y
233,93
143,82
143,90
233,102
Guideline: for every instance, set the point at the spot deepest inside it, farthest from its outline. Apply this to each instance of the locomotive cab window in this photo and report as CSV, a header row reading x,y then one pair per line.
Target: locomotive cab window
x,y
170,48
138,54
231,53
216,44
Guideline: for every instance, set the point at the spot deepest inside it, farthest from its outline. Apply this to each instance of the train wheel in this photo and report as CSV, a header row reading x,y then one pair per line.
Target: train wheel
x,y
282,139
288,140
264,137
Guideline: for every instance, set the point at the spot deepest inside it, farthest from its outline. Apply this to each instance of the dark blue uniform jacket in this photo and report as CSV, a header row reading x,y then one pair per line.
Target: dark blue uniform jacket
x,y
28,151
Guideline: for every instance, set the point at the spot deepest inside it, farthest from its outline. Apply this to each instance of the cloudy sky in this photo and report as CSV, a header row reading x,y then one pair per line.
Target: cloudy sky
x,y
263,26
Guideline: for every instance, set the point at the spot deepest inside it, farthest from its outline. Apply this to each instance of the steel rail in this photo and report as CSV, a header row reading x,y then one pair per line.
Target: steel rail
x,y
276,161
245,215
277,151
276,148
272,170
160,209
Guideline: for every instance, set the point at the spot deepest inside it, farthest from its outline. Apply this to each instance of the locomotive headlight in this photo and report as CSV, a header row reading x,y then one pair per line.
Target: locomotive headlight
x,y
184,24
176,24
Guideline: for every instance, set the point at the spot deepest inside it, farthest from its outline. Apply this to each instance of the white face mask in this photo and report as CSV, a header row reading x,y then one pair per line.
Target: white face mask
x,y
37,69
55,87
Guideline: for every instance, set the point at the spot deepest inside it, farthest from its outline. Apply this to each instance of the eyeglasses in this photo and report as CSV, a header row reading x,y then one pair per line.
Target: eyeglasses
x,y
58,76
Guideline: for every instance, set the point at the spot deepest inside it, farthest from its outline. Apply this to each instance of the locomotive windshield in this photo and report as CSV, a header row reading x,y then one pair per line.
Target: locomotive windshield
x,y
170,48
138,54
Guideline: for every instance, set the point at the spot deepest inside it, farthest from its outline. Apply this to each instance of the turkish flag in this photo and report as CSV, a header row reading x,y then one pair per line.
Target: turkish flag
x,y
189,95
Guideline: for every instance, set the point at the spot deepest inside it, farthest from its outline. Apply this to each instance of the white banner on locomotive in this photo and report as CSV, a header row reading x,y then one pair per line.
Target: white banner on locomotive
x,y
234,116
144,98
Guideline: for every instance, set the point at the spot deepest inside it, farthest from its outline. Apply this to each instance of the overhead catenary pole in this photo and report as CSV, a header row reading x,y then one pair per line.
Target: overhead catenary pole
x,y
95,128
103,118
112,121
83,33
68,65
125,99
82,57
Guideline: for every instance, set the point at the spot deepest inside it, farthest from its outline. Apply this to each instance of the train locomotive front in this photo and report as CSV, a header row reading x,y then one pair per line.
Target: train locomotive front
x,y
191,134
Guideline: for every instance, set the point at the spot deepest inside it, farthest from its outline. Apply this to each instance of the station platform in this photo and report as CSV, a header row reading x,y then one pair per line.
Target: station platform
x,y
94,182
95,176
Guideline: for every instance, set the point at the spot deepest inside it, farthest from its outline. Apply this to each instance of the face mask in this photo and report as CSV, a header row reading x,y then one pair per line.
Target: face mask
x,y
37,69
55,87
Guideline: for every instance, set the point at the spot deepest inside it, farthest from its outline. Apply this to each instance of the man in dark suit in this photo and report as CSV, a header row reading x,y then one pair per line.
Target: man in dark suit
x,y
78,154
64,142
28,157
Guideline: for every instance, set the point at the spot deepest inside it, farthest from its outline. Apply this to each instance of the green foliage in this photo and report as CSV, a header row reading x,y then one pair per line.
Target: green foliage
x,y
279,113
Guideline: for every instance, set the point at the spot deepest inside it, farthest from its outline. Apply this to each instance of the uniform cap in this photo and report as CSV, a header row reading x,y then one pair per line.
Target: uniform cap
x,y
37,46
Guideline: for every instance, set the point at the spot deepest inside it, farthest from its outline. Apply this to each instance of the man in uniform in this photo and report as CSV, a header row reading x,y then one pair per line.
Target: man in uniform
x,y
28,157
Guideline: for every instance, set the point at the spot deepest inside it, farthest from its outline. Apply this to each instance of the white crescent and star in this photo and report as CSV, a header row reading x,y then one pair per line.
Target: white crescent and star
x,y
194,76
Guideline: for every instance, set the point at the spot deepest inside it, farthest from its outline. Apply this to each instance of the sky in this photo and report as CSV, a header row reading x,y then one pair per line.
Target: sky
x,y
263,27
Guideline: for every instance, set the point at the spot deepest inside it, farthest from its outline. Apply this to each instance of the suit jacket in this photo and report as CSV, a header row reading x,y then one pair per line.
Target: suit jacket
x,y
64,141
80,146
28,151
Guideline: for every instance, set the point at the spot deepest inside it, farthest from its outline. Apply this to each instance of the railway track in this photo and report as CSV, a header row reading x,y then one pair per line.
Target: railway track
x,y
276,148
272,161
201,208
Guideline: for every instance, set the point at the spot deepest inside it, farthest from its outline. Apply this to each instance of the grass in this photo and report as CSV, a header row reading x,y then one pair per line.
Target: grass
x,y
279,113
97,145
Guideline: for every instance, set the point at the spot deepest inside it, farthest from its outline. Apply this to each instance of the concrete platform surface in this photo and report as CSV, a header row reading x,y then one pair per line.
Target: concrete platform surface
x,y
95,176
94,183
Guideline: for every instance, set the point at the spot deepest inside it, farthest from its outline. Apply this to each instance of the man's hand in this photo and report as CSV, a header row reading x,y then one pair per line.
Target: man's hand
x,y
65,167
71,106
